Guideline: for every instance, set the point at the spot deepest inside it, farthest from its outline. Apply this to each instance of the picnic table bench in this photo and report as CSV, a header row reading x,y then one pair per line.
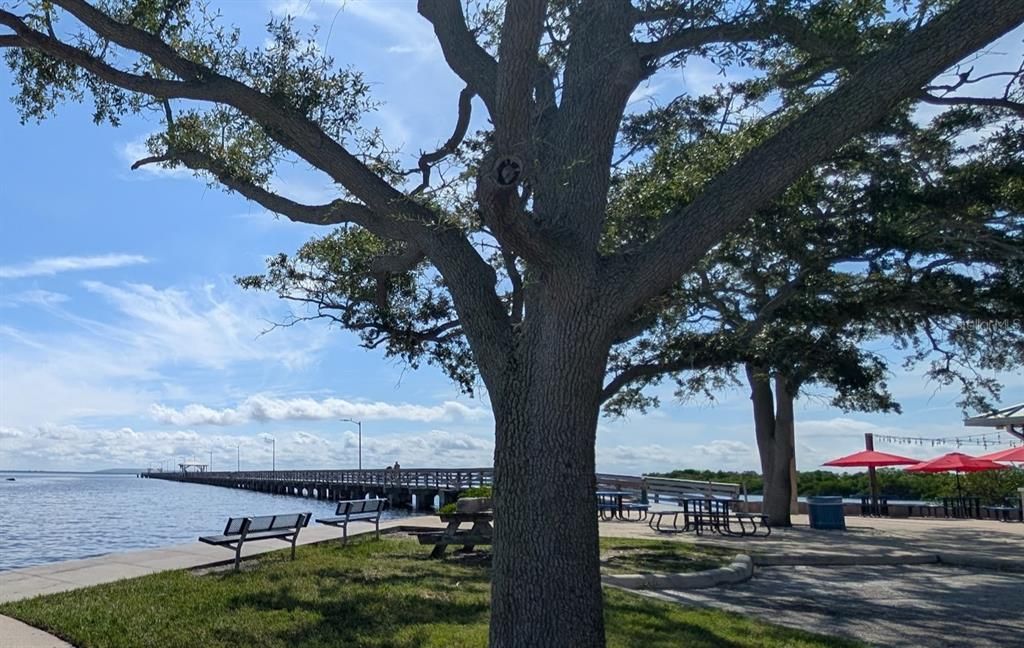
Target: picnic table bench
x,y
240,530
364,510
715,515
480,533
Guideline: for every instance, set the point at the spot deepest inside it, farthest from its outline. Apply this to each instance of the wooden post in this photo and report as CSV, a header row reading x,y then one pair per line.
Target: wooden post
x,y
869,444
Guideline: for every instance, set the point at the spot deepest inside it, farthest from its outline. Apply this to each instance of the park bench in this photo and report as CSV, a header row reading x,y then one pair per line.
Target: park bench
x,y
364,510
240,530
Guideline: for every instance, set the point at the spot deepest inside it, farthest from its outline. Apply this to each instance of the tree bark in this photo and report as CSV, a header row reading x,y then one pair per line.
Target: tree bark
x,y
546,587
774,431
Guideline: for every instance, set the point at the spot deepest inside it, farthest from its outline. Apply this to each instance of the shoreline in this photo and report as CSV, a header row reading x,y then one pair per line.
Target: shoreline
x,y
26,582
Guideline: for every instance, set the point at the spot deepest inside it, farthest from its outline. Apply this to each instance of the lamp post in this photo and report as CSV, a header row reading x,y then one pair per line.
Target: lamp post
x,y
273,450
238,457
359,424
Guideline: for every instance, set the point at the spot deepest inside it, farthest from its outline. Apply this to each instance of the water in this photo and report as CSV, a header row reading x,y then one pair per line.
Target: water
x,y
50,517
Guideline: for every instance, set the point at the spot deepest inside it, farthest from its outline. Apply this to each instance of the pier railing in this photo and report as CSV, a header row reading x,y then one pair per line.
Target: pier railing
x,y
411,478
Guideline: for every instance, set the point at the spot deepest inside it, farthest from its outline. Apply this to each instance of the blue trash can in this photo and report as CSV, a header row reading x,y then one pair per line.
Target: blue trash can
x,y
826,512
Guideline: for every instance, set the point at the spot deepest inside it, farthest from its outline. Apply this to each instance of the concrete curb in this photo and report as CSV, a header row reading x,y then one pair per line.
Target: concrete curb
x,y
982,562
741,569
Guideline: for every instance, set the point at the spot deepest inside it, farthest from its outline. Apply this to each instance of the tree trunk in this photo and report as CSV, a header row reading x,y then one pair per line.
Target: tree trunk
x,y
546,587
774,445
785,429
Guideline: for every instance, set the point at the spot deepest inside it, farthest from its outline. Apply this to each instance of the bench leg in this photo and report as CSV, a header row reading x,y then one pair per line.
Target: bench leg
x,y
238,555
344,533
376,524
295,539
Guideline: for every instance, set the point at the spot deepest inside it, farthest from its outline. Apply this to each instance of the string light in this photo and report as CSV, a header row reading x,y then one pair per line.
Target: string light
x,y
984,439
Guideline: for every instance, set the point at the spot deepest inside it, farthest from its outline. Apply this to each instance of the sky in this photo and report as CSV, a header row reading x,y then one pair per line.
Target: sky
x,y
125,343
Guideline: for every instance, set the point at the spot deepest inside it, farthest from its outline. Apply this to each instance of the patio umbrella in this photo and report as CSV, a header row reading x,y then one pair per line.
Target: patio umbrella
x,y
956,462
1015,455
871,459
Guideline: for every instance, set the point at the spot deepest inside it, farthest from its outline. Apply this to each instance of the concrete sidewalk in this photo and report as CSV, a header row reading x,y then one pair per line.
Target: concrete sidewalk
x,y
17,584
979,543
15,634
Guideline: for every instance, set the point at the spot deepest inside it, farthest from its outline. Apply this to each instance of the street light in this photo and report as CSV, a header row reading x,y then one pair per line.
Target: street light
x,y
360,424
238,457
273,449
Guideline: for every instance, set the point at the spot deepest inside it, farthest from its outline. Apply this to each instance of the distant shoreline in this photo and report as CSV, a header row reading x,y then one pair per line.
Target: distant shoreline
x,y
107,471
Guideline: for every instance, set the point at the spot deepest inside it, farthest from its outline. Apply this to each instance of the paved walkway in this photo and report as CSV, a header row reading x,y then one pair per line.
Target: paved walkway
x,y
974,540
15,634
903,607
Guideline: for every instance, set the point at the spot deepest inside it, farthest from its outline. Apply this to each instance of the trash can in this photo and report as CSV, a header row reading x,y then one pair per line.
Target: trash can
x,y
826,512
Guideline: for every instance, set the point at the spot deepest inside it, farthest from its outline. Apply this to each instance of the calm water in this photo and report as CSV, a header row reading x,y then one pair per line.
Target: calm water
x,y
47,518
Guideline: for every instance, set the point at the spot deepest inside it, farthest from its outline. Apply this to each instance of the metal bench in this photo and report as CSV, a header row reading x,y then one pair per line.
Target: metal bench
x,y
365,510
240,530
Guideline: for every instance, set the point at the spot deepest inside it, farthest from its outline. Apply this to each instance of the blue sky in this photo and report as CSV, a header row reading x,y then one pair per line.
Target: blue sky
x,y
125,343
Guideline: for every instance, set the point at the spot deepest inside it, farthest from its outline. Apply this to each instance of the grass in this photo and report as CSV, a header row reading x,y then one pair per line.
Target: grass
x,y
633,556
368,594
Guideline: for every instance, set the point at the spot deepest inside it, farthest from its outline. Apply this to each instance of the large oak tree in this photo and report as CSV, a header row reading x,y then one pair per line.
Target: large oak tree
x,y
555,78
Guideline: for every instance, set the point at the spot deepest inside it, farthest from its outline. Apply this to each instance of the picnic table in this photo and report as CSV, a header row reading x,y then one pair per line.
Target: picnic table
x,y
708,514
480,533
613,504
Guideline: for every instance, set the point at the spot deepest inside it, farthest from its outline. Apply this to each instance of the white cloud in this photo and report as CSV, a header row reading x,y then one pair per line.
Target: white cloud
x,y
400,20
137,350
34,297
54,265
177,327
263,409
73,447
293,8
656,457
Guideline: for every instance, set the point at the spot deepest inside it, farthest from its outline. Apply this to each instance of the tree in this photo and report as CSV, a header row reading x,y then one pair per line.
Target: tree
x,y
911,232
555,78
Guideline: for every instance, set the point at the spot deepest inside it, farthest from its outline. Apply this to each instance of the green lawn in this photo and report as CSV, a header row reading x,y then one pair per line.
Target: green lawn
x,y
372,593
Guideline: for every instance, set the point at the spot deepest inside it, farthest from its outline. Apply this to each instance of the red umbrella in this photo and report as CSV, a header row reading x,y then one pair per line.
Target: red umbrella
x,y
870,459
1010,454
958,462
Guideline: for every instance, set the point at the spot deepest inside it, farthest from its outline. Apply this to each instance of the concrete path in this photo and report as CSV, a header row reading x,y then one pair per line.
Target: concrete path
x,y
954,541
903,607
15,634
24,583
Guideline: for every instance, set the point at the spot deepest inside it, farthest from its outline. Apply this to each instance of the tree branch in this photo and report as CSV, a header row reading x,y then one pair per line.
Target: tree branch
x,y
464,55
28,38
427,160
787,28
333,213
896,73
987,102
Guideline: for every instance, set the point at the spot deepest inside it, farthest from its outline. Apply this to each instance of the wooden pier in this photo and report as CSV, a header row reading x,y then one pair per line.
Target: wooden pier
x,y
416,488
407,488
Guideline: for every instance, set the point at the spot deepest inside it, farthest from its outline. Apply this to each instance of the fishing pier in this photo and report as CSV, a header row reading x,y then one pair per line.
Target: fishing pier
x,y
407,488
